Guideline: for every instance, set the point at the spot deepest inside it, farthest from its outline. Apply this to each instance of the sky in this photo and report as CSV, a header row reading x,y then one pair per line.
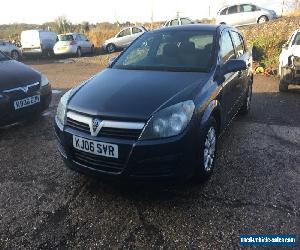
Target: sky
x,y
93,11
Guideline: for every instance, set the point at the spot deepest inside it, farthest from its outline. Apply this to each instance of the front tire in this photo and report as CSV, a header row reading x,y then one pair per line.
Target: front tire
x,y
110,48
208,149
283,84
15,55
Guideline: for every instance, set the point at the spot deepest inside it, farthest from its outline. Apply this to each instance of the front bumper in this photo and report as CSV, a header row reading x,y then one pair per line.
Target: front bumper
x,y
164,159
9,115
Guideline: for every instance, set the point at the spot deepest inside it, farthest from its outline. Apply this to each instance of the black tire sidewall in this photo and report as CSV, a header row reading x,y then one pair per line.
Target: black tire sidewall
x,y
112,46
17,53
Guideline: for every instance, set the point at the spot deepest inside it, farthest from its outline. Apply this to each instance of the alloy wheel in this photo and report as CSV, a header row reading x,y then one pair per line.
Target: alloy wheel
x,y
209,149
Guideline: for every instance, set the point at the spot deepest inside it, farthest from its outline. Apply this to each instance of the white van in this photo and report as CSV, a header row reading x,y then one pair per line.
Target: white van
x,y
38,42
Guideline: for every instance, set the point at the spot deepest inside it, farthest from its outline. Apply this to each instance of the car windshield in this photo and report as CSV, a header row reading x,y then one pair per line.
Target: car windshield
x,y
3,57
65,38
170,51
297,39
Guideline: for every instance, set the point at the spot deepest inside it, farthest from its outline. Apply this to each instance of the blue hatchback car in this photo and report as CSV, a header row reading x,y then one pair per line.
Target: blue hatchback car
x,y
156,112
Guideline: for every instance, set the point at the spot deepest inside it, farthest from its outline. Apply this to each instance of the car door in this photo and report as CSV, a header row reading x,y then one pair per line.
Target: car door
x,y
136,32
233,15
86,44
241,54
230,84
248,14
123,38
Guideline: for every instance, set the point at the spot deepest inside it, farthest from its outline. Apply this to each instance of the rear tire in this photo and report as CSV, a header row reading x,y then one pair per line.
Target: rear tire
x,y
263,19
207,149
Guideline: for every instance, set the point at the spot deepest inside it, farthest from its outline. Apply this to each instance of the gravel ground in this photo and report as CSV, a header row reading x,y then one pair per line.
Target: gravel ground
x,y
254,190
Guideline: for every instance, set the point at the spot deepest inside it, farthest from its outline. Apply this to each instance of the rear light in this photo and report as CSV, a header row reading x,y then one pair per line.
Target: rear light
x,y
73,43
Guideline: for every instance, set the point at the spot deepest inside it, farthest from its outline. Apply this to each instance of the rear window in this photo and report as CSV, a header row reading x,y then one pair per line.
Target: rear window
x,y
65,38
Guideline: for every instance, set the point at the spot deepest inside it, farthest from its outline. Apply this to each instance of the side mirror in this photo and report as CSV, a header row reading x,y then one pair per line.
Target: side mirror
x,y
285,46
87,40
233,65
111,60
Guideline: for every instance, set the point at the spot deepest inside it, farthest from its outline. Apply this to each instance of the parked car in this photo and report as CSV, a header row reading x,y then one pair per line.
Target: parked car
x,y
156,112
178,21
10,50
40,42
124,38
289,62
244,14
24,92
73,44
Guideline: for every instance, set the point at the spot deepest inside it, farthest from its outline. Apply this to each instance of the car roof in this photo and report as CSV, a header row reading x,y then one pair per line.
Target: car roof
x,y
194,27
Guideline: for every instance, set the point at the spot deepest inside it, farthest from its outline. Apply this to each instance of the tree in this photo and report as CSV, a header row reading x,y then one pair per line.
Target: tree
x,y
63,25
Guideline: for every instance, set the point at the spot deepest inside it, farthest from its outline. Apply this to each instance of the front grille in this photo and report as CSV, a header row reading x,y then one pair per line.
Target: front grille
x,y
97,162
118,133
131,134
78,125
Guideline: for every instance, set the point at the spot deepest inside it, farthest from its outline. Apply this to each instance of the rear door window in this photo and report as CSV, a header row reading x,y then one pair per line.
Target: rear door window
x,y
136,30
174,22
227,51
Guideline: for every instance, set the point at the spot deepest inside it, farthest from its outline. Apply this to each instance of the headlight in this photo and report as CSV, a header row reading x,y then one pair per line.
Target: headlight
x,y
44,81
170,121
62,107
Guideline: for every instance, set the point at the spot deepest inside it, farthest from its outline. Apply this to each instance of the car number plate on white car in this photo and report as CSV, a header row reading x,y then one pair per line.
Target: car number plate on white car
x,y
19,104
95,147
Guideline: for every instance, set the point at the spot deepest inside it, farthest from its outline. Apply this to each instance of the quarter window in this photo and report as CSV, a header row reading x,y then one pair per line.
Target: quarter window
x,y
238,43
227,49
136,30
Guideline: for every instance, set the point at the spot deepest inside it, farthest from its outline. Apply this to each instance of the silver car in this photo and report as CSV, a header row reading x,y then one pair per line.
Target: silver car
x,y
178,21
11,50
244,14
73,44
123,39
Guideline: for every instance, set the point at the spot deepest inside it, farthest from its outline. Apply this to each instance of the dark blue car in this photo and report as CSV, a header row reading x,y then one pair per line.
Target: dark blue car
x,y
24,92
156,112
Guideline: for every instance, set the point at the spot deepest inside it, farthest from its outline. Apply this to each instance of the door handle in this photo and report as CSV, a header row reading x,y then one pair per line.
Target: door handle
x,y
239,73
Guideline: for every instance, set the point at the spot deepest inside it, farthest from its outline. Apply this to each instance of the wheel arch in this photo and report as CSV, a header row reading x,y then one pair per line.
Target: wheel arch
x,y
263,15
213,110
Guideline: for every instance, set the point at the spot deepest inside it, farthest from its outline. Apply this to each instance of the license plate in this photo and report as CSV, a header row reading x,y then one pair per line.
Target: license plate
x,y
95,147
19,104
62,48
